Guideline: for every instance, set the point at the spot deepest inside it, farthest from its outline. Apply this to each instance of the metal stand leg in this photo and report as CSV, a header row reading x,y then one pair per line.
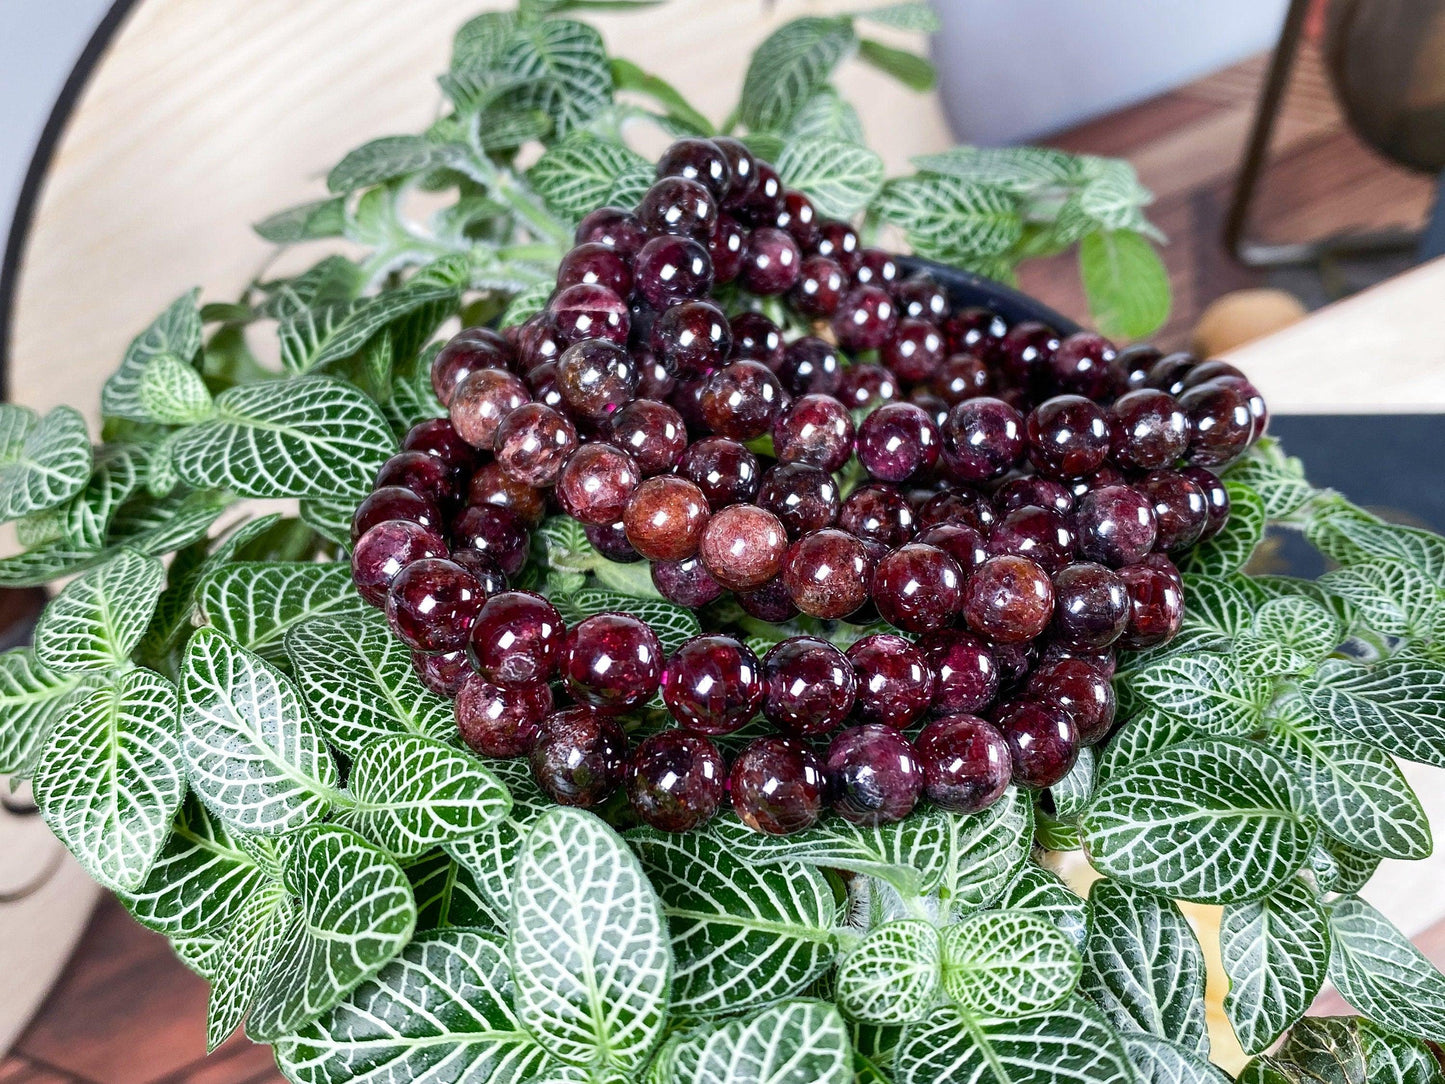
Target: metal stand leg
x,y
1432,242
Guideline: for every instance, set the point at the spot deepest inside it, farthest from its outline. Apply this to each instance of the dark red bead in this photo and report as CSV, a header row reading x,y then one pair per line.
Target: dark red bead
x,y
596,378
1025,352
394,502
828,573
611,661
800,218
1129,371
723,469
1148,430
517,638
778,786
420,473
579,757
770,602
966,763
432,603
727,247
613,227
1040,534
920,298
1042,740
1156,607
596,484
865,384
743,168
1009,599
467,351
809,686
810,366
873,776
1115,525
742,400
1080,365
772,262
878,513
805,499
712,684
1216,498
839,242
743,546
1068,437
1169,372
437,437
898,441
532,444
611,542
1091,606
665,518
384,550
914,351
501,720
865,318
686,583
1220,423
590,311
819,288
756,338
979,332
676,780
652,433
678,206
967,673
482,400
672,269
491,485
699,160
1081,691
488,573
442,673
985,437
765,202
692,338
595,264
961,541
815,430
496,532
876,267
1033,490
1180,508
918,588
895,680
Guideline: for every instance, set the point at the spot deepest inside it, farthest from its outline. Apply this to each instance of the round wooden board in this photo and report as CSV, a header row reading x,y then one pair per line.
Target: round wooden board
x,y
203,116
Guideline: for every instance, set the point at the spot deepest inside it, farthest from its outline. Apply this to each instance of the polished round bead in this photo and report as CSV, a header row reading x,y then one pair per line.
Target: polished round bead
x,y
828,573
672,269
895,680
1033,490
422,474
956,505
810,366
756,338
1221,426
816,430
1091,606
1040,534
878,514
517,638
1009,599
809,686
980,332
778,786
743,546
699,160
1081,691
918,588
965,761
532,444
613,227
915,351
596,484
1068,437
691,338
611,661
595,378
1129,371
743,168
1042,740
838,241
771,262
496,532
1216,499
611,542
865,319
1169,372
873,775
442,673
501,720
432,603
665,518
770,602
676,205
805,499
726,248
1181,510
742,400
819,288
1160,563
961,541
482,400
686,583
676,780
438,438
652,433
723,469
485,568
579,757
767,199
596,264
384,550
865,385
467,351
876,267
985,437
1080,365
898,441
590,311
1148,430
800,218
1156,607
394,502
492,485
967,673
713,684
920,298
963,376
1115,525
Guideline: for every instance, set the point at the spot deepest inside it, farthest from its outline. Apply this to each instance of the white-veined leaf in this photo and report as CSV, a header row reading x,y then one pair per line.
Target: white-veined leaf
x,y
674,624
1158,1061
1389,596
1342,869
904,16
1007,964
447,894
578,174
384,159
49,466
409,793
1145,731
1212,822
110,779
1398,705
947,218
1021,170
172,392
97,620
1143,966
741,934
1278,479
1037,890
892,976
1401,1059
1215,694
304,222
253,754
256,602
86,521
561,68
175,332
311,437
1378,971
827,115
790,67
1070,1044
840,178
790,1043
437,1014
491,855
1299,623
354,911
250,944
1352,536
1276,951
31,697
1125,281
589,944
313,337
986,850
1218,605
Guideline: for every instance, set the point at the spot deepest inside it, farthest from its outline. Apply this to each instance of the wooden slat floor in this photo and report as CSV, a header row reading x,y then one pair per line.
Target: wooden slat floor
x,y
126,1012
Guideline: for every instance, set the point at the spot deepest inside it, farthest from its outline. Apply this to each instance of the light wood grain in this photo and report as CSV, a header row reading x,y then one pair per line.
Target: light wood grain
x,y
206,115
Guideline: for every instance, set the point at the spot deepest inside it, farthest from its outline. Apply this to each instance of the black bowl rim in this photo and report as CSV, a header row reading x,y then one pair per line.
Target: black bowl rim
x,y
967,290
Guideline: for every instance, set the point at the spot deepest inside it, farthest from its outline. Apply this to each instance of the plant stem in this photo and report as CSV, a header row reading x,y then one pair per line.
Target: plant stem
x,y
503,185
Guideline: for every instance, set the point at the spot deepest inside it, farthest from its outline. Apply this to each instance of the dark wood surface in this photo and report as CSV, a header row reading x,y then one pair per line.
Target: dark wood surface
x,y
127,1012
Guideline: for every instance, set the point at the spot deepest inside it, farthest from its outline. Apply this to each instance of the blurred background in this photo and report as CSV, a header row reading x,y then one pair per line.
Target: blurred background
x,y
1295,147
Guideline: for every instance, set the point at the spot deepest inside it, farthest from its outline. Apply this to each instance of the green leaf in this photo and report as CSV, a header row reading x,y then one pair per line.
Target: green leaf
x,y
892,976
173,393
1143,966
1301,624
203,877
446,894
674,624
949,219
249,946
1227,551
110,779
440,1012
1351,870
1218,605
1381,974
1397,705
628,76
910,854
1275,952
354,913
741,935
118,470
524,305
253,755
384,159
1145,732
562,69
359,680
46,461
1356,790
1278,479
97,620
793,1042
1036,889
1125,281
1395,1057
491,855
1206,821
1158,1061
987,850
255,603
826,116
175,332
910,69
32,697
304,222
1390,596
1020,170
316,336
578,174
1007,964
410,793
1070,1044
790,67
911,15
840,178
1212,693
1350,536
589,944
311,437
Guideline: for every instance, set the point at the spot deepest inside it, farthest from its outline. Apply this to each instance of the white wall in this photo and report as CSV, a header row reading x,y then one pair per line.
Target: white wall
x,y
1017,69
